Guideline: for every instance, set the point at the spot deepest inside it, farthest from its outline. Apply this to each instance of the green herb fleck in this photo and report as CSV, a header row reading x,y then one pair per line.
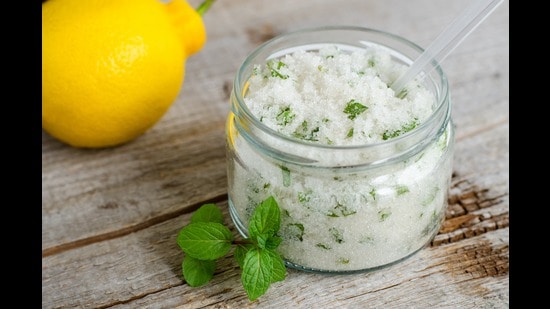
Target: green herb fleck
x,y
302,132
383,214
304,197
285,212
435,220
323,246
442,142
294,231
404,129
343,260
286,176
336,235
371,63
431,197
366,240
372,193
354,108
341,210
350,133
205,239
402,94
274,70
256,70
402,189
285,116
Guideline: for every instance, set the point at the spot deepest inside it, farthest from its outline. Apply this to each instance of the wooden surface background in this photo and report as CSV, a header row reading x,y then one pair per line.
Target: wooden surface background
x,y
110,217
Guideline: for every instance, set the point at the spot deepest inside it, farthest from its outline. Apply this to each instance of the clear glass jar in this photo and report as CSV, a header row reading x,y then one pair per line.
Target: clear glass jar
x,y
345,209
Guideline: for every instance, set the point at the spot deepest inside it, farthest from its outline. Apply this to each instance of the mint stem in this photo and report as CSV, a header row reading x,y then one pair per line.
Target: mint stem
x,y
242,242
204,6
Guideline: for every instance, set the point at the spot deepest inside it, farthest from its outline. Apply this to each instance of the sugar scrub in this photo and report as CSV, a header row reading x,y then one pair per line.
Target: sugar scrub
x,y
360,173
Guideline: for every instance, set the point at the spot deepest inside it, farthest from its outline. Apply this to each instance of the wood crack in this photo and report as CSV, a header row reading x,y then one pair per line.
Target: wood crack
x,y
472,211
128,230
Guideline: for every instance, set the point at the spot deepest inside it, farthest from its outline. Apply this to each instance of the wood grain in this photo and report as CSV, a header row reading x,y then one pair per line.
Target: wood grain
x,y
110,216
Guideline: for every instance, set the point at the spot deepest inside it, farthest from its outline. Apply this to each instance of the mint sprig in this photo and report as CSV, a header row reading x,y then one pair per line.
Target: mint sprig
x,y
206,239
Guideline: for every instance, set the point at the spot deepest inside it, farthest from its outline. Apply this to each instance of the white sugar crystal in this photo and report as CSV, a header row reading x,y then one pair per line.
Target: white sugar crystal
x,y
316,87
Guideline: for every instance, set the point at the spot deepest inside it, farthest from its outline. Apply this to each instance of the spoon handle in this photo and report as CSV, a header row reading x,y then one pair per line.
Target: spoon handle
x,y
447,40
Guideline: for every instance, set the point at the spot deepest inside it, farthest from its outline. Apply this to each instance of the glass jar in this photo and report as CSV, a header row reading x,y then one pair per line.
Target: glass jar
x,y
344,209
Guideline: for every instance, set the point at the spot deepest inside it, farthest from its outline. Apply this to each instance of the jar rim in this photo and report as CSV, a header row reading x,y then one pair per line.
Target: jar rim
x,y
442,94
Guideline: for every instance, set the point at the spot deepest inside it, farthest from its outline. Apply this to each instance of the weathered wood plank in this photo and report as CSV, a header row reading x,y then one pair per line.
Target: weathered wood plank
x,y
145,273
467,258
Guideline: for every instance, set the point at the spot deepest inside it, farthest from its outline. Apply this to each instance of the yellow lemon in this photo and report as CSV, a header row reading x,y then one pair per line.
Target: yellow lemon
x,y
111,69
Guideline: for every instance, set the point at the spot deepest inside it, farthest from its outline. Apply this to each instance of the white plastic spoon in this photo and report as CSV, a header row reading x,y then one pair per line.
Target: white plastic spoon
x,y
446,42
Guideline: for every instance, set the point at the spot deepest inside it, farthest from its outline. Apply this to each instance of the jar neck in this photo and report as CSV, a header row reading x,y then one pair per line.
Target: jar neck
x,y
294,151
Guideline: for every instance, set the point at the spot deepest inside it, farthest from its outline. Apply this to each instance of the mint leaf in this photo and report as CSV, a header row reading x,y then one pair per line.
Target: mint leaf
x,y
279,268
261,240
207,213
197,272
266,241
257,272
266,219
205,240
273,242
354,108
240,253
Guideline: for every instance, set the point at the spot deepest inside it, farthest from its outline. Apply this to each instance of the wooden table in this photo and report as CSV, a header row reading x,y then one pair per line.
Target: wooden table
x,y
110,217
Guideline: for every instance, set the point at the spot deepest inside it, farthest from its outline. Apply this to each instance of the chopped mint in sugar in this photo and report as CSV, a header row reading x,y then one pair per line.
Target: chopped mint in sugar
x,y
383,214
206,239
354,108
344,217
302,97
286,175
350,133
341,211
371,62
400,190
336,235
372,193
275,69
285,116
404,129
402,94
343,260
303,132
293,231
